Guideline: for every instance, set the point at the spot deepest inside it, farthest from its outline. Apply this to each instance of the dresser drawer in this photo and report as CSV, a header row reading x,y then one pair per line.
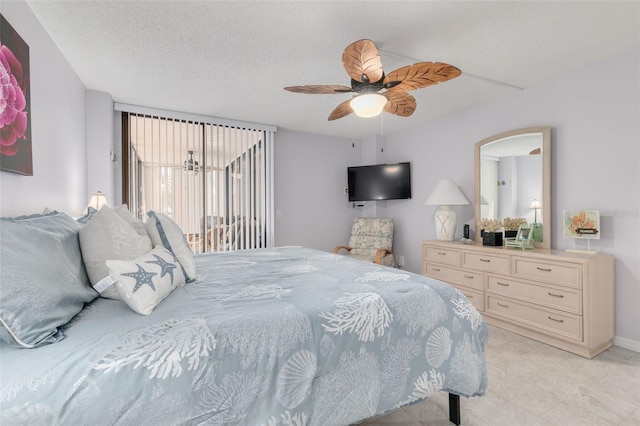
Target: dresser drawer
x,y
535,317
567,274
486,262
565,299
455,276
445,256
475,297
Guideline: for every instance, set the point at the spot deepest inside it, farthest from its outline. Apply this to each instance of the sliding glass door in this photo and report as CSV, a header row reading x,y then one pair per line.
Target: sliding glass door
x,y
214,180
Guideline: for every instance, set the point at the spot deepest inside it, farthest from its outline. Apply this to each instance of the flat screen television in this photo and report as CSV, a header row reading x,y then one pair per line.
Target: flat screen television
x,y
379,182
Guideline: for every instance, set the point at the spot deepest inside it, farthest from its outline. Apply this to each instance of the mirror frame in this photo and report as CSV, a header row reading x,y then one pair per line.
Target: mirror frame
x,y
546,180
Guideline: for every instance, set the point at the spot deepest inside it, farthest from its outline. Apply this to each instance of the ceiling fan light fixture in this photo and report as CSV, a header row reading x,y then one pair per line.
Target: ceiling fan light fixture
x,y
191,165
368,105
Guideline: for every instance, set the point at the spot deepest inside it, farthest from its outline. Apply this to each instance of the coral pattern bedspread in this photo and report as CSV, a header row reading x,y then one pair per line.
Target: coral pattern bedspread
x,y
284,336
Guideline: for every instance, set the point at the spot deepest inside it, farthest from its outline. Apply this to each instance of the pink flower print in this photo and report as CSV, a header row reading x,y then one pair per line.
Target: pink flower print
x,y
13,118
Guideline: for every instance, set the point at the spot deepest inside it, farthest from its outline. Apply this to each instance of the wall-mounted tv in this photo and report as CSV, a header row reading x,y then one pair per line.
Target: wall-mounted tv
x,y
379,182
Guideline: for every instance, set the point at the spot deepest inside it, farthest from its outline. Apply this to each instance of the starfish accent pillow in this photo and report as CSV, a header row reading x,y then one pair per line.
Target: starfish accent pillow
x,y
109,236
144,282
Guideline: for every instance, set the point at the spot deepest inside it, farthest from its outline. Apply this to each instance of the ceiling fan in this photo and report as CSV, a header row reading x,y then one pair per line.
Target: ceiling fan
x,y
362,62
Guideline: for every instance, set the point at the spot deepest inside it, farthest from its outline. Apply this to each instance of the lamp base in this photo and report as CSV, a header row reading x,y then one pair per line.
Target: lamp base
x,y
445,223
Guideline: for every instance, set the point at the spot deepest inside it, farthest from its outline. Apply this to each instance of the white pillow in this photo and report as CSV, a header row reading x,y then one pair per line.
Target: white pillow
x,y
165,232
108,236
143,283
136,224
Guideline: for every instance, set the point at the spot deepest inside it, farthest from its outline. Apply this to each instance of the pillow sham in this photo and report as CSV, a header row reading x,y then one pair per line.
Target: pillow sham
x,y
143,283
43,283
108,236
165,232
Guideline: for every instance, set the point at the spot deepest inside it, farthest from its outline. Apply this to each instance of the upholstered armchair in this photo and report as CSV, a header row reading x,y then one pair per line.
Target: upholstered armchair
x,y
371,240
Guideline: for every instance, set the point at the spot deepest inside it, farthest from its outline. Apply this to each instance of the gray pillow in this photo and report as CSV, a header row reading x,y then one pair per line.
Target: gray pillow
x,y
109,237
43,283
165,232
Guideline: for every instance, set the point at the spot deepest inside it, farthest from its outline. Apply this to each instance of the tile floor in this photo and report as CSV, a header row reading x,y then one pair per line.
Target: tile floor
x,y
531,383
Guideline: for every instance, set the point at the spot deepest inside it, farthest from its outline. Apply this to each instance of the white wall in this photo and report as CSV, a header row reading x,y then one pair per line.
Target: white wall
x,y
57,113
310,177
595,165
100,142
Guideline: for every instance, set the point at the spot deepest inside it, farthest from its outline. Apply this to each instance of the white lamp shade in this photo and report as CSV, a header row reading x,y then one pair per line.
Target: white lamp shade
x,y
446,193
368,105
98,200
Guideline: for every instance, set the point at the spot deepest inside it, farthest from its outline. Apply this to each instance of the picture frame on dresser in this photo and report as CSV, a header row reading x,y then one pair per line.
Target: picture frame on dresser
x,y
523,239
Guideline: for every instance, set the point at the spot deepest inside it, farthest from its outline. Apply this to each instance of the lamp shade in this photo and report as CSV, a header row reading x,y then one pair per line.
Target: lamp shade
x,y
368,105
446,193
98,200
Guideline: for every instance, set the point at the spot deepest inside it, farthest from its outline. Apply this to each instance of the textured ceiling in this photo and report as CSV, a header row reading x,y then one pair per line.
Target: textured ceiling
x,y
232,59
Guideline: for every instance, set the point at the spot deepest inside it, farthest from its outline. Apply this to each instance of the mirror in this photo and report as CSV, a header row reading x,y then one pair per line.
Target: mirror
x,y
513,176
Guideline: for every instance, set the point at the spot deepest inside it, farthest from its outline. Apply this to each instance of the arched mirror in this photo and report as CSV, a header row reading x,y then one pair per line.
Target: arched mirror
x,y
513,179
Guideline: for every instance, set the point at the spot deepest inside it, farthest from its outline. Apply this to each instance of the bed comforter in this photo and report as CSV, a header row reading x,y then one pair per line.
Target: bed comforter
x,y
284,336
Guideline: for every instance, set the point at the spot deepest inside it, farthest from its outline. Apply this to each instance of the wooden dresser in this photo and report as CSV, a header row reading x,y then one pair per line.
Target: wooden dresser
x,y
563,299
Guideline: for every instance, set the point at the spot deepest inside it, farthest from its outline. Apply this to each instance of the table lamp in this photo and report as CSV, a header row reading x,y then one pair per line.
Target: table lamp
x,y
535,206
98,200
446,194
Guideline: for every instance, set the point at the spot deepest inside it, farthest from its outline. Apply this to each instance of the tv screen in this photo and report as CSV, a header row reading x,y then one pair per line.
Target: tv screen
x,y
379,182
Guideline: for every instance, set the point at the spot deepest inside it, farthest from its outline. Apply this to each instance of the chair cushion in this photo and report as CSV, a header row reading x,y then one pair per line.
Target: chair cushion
x,y
368,235
372,234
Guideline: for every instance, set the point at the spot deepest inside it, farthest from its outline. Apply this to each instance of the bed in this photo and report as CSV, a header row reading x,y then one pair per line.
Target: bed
x,y
277,336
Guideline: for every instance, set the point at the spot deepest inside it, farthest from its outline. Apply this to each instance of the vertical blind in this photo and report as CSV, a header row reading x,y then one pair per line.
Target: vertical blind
x,y
213,177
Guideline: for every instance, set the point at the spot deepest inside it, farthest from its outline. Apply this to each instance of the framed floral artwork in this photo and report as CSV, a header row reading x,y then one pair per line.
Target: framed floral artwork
x,y
583,224
15,104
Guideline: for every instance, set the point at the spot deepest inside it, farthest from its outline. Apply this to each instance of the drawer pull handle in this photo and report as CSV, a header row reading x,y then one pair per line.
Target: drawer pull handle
x,y
556,320
503,284
485,260
435,269
543,269
504,305
441,253
555,295
468,296
468,276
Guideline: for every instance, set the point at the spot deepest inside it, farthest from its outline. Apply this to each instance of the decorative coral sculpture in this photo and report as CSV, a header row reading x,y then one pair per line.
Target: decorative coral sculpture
x,y
490,225
512,224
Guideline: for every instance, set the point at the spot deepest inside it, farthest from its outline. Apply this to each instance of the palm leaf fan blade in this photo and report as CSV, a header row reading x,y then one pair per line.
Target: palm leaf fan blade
x,y
400,103
417,76
361,58
319,89
341,110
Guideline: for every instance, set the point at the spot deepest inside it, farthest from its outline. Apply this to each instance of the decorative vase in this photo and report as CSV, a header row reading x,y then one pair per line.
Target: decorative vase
x,y
492,239
510,234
